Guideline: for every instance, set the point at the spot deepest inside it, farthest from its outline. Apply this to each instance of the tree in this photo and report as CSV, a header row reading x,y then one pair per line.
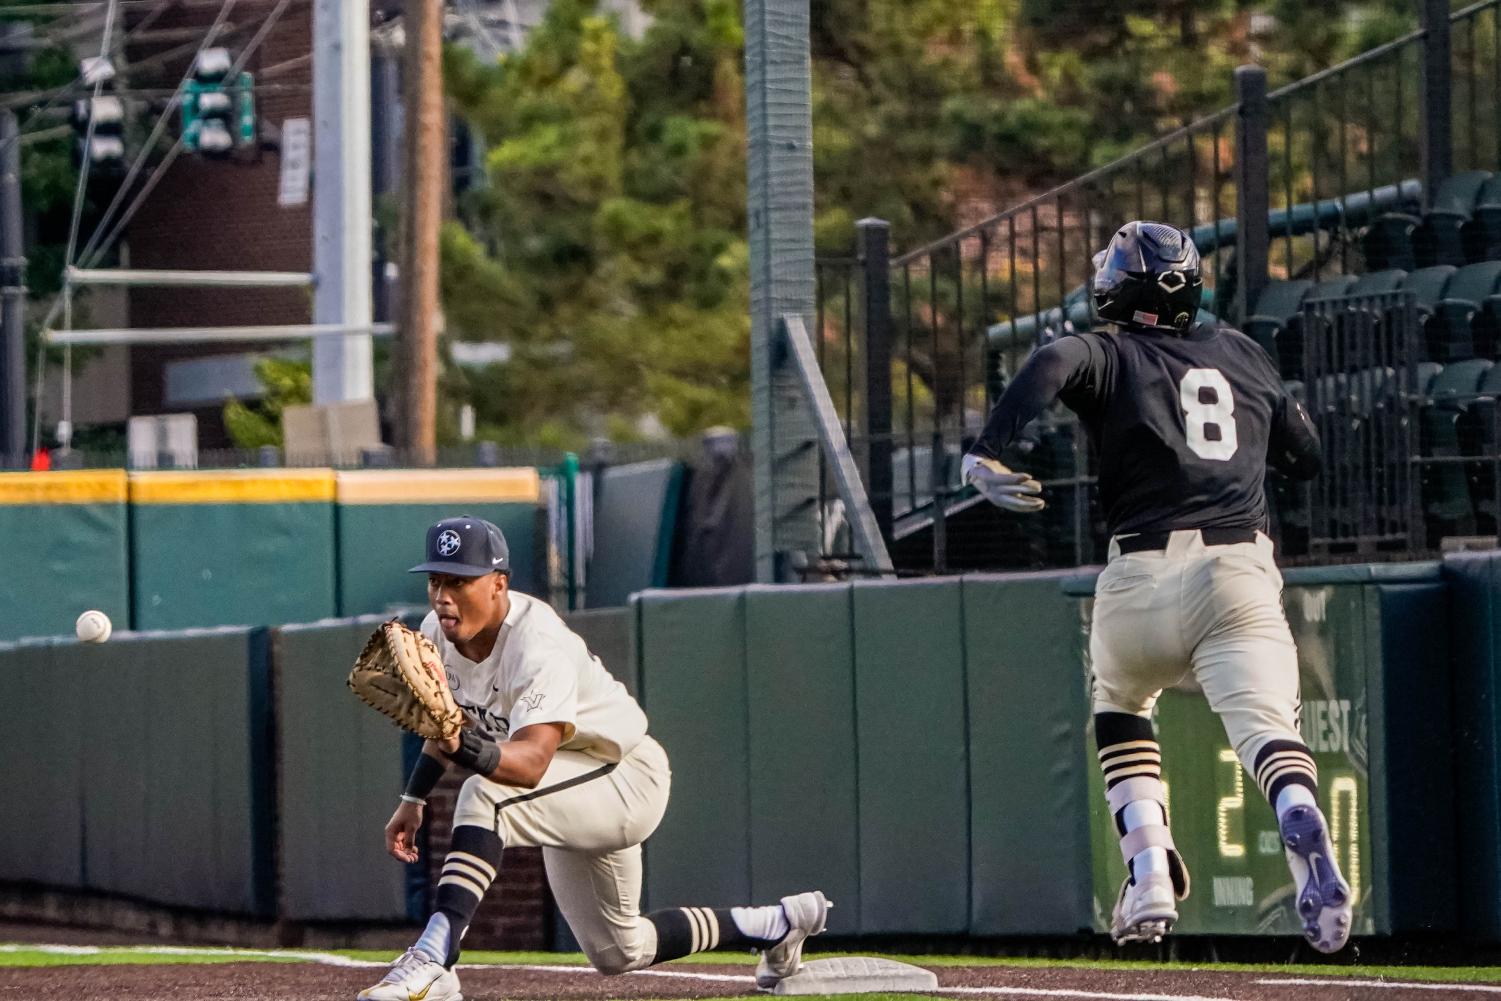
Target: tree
x,y
608,251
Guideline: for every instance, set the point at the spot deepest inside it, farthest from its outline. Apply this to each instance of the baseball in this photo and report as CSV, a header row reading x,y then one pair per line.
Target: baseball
x,y
93,626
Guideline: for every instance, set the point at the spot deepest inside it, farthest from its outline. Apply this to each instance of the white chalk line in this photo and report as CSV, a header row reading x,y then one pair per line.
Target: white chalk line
x,y
1406,985
333,959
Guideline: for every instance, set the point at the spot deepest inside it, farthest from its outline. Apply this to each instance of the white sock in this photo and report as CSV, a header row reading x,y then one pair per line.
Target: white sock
x,y
1294,795
434,940
1141,813
769,923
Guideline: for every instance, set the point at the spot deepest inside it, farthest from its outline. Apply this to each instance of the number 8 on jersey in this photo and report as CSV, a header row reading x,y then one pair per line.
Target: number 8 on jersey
x,y
1209,413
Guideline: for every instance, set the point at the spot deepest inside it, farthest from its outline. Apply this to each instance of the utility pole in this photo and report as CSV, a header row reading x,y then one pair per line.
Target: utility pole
x,y
426,146
342,366
12,297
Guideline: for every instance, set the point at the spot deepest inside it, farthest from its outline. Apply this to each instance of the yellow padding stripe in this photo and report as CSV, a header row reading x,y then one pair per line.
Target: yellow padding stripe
x,y
232,486
439,486
80,486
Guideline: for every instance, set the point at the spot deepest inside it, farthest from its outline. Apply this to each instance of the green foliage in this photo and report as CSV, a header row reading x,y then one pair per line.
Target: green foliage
x,y
287,382
608,250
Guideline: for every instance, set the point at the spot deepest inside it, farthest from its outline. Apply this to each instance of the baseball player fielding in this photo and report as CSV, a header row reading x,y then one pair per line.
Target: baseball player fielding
x,y
559,757
1186,416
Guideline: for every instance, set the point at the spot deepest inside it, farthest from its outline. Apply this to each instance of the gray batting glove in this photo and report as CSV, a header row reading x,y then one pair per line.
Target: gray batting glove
x,y
1009,491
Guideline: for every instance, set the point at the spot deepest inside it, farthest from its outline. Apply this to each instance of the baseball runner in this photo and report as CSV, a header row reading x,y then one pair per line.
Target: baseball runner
x,y
1186,418
559,757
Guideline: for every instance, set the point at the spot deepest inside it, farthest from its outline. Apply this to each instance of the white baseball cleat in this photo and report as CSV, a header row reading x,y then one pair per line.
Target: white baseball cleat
x,y
807,914
1145,910
1324,902
414,977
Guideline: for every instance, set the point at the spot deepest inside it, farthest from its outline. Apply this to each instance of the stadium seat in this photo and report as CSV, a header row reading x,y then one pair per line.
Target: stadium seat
x,y
1278,303
1482,237
1291,337
1478,437
1427,286
1447,505
1463,324
1388,242
1352,340
1439,239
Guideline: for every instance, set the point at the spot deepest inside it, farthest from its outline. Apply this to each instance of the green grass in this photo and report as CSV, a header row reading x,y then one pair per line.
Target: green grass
x,y
22,955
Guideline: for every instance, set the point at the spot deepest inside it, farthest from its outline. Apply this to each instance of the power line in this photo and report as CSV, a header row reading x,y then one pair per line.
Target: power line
x,y
87,161
158,129
67,89
161,169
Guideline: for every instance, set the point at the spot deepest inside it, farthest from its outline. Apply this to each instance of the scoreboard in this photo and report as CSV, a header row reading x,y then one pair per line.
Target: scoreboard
x,y
1223,826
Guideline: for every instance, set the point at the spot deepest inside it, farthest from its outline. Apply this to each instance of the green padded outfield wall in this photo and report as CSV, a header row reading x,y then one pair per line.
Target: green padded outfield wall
x,y
65,545
635,518
1474,581
693,690
234,547
383,516
179,813
1375,710
912,762
42,825
340,767
1029,787
610,634
800,685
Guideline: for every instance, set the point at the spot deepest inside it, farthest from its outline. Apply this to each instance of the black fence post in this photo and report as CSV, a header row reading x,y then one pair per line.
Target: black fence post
x,y
1438,131
1251,197
874,249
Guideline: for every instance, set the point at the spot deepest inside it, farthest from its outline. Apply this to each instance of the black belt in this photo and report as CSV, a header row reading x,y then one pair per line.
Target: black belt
x,y
1143,541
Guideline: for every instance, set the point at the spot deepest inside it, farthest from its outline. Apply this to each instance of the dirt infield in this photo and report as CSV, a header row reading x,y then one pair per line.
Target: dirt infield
x,y
322,982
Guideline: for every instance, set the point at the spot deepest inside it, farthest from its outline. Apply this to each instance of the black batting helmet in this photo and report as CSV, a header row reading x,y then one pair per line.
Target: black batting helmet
x,y
1148,276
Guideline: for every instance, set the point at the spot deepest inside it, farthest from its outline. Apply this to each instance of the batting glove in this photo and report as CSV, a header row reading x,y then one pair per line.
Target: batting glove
x,y
1014,492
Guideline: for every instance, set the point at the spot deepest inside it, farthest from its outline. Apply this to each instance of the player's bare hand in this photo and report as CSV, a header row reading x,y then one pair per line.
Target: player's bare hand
x,y
401,832
1006,489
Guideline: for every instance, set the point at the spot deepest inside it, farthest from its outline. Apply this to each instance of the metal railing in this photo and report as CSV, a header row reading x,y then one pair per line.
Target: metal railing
x,y
1475,98
1340,144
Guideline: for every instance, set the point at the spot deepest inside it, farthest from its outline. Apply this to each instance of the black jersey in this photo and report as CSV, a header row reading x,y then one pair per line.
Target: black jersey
x,y
1185,425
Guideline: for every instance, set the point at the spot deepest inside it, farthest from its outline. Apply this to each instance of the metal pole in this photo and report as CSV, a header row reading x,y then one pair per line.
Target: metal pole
x,y
1251,237
874,237
12,298
342,366
1438,132
135,277
779,168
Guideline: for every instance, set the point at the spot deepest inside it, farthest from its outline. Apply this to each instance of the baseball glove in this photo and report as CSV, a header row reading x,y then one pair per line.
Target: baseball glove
x,y
400,674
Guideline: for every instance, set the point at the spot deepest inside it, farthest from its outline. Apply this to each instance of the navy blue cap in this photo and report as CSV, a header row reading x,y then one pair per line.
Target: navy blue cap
x,y
465,547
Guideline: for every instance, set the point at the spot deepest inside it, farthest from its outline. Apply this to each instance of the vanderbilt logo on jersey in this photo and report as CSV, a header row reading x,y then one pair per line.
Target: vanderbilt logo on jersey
x,y
532,701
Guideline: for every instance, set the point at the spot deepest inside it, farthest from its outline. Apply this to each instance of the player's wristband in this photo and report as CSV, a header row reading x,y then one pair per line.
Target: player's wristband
x,y
414,800
478,753
424,778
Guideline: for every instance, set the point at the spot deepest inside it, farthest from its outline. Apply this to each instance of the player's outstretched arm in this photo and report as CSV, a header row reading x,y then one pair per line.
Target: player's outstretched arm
x,y
1066,363
401,829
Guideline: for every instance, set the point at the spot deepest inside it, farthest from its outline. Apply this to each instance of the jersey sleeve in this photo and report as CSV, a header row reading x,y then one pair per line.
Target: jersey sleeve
x,y
1074,368
547,688
1294,448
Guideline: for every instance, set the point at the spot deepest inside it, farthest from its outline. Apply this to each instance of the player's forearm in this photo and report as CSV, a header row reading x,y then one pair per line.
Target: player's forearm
x,y
1034,389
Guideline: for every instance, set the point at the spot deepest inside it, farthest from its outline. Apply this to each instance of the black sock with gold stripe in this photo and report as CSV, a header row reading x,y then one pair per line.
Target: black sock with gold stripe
x,y
682,931
469,868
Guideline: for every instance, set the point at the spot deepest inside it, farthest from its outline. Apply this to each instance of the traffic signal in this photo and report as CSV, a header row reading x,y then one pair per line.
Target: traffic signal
x,y
217,118
103,145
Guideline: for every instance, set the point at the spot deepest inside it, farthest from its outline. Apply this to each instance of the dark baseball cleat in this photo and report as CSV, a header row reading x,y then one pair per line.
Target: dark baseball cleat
x,y
1324,902
807,915
1145,911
